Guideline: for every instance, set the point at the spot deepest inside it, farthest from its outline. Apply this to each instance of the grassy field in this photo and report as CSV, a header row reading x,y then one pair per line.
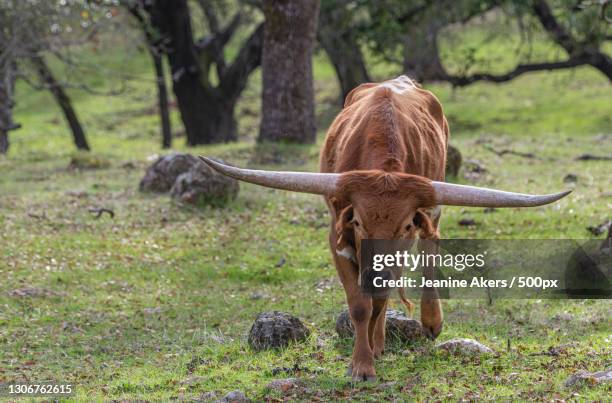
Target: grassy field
x,y
156,303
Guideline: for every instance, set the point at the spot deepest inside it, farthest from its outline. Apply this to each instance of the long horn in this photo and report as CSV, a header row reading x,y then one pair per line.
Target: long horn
x,y
318,183
460,195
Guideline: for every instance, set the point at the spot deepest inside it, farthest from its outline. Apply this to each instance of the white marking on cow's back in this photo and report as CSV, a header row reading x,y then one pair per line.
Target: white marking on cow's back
x,y
348,253
399,85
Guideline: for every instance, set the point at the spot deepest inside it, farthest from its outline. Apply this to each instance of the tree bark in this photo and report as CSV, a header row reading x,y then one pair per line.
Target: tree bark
x,y
207,111
7,87
155,46
288,112
162,97
63,100
337,37
421,53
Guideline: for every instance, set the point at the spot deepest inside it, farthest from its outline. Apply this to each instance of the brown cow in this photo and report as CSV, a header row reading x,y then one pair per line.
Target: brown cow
x,y
382,175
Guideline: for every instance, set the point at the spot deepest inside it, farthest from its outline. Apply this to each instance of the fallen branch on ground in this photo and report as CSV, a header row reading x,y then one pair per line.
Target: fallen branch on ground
x,y
98,211
505,151
591,157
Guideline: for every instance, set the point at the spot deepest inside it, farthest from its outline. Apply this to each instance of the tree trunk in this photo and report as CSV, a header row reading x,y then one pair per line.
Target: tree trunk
x,y
342,49
421,53
207,112
162,96
63,100
4,142
7,87
208,118
288,94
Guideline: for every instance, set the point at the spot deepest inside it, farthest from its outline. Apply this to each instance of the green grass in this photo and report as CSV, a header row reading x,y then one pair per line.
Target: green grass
x,y
156,303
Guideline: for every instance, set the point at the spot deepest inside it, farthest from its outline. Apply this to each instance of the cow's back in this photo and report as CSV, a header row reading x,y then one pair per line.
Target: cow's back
x,y
393,126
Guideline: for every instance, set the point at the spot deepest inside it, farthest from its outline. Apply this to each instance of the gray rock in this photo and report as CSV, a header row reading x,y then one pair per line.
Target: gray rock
x,y
276,330
589,378
467,222
398,327
193,380
474,170
235,396
570,178
160,176
453,161
202,185
152,311
464,346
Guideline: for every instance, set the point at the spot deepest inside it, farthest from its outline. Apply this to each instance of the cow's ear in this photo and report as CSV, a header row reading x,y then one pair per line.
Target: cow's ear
x,y
344,229
426,228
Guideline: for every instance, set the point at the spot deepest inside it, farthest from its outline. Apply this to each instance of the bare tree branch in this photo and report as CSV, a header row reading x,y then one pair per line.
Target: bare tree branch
x,y
461,81
235,76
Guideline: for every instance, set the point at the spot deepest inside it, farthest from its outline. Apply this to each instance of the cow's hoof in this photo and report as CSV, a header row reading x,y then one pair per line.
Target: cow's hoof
x,y
378,352
349,370
362,374
364,378
432,332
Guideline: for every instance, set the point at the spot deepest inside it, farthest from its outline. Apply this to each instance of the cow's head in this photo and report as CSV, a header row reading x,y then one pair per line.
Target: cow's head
x,y
383,205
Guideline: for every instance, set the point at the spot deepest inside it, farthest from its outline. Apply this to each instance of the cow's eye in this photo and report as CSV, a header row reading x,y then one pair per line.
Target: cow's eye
x,y
408,227
355,223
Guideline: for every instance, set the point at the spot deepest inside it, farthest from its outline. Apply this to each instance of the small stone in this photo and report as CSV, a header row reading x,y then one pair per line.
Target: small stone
x,y
284,385
276,330
193,380
386,386
475,166
467,222
564,316
464,346
236,396
474,170
152,311
195,363
570,178
32,292
257,295
71,327
397,327
589,378
128,165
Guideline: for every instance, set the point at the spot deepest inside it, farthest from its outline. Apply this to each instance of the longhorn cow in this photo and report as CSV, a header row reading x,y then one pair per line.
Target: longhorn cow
x,y
382,175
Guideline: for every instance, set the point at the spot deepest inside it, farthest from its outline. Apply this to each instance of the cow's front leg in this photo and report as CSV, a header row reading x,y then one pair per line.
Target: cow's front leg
x,y
360,310
377,326
431,308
